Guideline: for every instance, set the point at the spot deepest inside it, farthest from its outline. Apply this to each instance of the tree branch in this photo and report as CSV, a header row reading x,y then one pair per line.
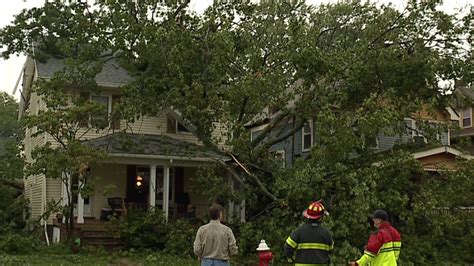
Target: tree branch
x,y
259,183
16,184
280,138
275,120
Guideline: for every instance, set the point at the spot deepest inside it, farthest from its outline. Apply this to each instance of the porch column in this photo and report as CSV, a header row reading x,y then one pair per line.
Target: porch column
x,y
152,189
231,203
80,204
166,190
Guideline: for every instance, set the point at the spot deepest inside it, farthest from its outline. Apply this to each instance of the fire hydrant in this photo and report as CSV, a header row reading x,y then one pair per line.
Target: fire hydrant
x,y
265,256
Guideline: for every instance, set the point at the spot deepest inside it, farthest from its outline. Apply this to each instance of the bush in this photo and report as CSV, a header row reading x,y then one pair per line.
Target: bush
x,y
18,244
179,239
141,230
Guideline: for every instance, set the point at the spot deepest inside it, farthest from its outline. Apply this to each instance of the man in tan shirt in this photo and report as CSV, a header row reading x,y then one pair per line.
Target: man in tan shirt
x,y
215,242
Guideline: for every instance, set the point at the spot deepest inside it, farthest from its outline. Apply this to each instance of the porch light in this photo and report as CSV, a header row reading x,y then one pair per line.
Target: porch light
x,y
138,181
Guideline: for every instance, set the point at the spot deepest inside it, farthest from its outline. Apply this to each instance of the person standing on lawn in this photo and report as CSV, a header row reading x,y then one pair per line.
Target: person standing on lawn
x,y
383,247
215,243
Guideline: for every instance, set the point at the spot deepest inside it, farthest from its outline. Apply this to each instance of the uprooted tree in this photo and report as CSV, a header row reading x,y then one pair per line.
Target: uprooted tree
x,y
354,69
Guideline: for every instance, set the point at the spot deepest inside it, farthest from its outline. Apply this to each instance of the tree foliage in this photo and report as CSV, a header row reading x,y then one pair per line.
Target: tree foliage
x,y
11,166
355,69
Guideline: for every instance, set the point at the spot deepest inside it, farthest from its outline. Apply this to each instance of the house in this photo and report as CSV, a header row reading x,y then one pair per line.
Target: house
x,y
436,119
151,162
463,97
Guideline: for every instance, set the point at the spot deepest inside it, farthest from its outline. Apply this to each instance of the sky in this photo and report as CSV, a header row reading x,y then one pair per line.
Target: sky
x,y
11,69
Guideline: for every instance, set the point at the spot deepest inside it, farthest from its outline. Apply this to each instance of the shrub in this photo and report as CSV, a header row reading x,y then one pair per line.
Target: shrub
x,y
18,244
141,230
179,239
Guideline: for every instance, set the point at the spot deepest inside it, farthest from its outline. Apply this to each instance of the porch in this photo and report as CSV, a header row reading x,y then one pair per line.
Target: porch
x,y
142,172
120,188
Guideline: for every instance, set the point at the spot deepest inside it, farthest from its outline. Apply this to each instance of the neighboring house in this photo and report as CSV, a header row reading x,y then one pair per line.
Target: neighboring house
x,y
300,143
161,154
463,102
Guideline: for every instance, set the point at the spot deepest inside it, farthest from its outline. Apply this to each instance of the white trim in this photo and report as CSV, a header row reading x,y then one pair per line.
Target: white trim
x,y
166,190
161,157
152,190
303,133
80,204
255,129
452,114
440,150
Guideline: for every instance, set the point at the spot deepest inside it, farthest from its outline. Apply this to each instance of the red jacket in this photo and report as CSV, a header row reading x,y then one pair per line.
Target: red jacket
x,y
383,247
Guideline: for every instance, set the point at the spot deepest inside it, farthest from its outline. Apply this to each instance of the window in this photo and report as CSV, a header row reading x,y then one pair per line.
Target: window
x,y
372,142
466,117
101,118
307,133
279,156
180,127
173,126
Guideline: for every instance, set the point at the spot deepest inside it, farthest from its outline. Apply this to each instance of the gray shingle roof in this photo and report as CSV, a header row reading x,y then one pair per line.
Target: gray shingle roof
x,y
467,91
158,145
111,74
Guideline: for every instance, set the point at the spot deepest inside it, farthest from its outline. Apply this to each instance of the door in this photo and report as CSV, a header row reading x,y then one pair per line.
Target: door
x,y
138,184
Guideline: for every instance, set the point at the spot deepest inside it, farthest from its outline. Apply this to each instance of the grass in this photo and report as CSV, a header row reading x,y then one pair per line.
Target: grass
x,y
62,255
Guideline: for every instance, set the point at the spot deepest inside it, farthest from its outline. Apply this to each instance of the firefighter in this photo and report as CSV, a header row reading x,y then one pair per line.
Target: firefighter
x,y
311,243
383,247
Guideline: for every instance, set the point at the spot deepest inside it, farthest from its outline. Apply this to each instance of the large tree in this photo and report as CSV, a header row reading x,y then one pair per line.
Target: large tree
x,y
11,164
356,69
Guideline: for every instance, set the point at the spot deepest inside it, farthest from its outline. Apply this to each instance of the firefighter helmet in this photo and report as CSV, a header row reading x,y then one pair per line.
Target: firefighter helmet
x,y
315,210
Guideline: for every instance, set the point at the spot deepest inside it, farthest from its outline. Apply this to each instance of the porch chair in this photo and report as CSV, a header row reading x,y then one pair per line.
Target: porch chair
x,y
117,208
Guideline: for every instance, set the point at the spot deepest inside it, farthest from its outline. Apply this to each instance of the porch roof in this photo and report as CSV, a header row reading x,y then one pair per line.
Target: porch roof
x,y
152,146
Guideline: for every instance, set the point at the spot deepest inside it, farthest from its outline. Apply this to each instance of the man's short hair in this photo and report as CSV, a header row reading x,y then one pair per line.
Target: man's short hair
x,y
215,211
381,214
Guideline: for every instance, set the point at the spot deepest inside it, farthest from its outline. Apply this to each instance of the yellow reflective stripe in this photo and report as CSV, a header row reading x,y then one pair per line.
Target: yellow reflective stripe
x,y
390,246
291,242
314,246
370,254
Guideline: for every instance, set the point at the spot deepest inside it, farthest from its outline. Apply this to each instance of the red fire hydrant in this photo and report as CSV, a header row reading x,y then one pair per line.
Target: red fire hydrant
x,y
265,256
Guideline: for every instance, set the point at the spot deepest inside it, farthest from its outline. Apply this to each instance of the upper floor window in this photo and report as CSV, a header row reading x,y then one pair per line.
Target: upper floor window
x,y
466,117
107,115
101,118
173,126
307,137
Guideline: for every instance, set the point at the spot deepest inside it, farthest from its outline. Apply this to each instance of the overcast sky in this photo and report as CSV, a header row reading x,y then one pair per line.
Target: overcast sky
x,y
11,69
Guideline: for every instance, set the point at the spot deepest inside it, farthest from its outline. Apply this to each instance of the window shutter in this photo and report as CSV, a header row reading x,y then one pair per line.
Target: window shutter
x,y
115,114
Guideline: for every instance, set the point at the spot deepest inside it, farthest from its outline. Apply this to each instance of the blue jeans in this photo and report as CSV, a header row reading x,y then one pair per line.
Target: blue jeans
x,y
214,262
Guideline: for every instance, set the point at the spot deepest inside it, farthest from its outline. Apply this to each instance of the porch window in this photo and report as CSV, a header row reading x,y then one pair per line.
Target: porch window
x,y
466,117
307,133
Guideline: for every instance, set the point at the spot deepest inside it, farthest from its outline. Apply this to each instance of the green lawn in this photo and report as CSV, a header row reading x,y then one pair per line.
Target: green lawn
x,y
94,259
